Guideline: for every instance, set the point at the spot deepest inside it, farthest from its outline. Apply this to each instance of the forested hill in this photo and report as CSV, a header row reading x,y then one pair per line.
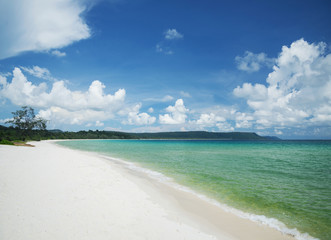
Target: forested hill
x,y
200,135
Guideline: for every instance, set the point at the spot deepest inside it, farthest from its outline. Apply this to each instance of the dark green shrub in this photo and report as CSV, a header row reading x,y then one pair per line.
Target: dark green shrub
x,y
6,142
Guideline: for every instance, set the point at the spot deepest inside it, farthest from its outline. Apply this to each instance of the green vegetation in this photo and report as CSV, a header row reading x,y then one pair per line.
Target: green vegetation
x,y
11,134
6,142
16,134
25,119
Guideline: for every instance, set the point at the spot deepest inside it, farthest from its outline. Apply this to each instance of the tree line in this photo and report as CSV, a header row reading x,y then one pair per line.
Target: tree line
x,y
11,134
26,126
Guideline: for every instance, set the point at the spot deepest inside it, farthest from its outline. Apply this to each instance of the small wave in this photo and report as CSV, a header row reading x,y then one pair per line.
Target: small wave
x,y
261,219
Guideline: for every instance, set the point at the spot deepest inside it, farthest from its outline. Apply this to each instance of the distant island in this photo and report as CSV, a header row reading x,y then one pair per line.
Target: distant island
x,y
203,135
8,135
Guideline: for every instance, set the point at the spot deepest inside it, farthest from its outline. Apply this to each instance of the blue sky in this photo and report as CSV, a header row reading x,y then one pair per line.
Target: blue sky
x,y
146,66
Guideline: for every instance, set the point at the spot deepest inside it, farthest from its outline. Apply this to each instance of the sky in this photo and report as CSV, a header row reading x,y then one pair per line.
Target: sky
x,y
185,65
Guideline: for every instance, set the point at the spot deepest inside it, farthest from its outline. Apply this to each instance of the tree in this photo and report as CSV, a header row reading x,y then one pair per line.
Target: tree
x,y
25,119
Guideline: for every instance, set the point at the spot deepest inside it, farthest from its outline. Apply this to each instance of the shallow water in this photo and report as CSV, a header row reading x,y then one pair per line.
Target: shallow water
x,y
286,180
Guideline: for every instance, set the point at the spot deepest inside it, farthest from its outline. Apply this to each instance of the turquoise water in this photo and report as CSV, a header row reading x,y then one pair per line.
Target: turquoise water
x,y
286,180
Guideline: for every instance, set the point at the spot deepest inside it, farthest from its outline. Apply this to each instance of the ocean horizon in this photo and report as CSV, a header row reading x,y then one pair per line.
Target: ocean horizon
x,y
283,184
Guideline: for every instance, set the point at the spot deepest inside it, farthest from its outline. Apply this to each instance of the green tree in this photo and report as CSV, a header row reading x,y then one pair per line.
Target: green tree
x,y
26,119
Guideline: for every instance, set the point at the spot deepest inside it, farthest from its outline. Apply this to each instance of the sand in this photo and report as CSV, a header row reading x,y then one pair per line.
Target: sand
x,y
51,192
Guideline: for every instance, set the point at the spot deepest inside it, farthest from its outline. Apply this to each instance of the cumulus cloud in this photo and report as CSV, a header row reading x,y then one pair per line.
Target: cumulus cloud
x,y
252,62
172,34
209,119
3,80
60,104
216,116
297,92
176,114
136,118
244,120
75,117
255,92
39,25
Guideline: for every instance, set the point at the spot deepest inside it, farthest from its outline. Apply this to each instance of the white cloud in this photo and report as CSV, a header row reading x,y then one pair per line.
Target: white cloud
x,y
39,25
7,74
185,94
209,119
166,98
75,117
177,114
136,118
252,62
3,80
2,121
244,120
169,36
221,117
99,124
298,91
217,116
256,92
172,34
58,53
151,110
278,132
225,127
39,72
60,104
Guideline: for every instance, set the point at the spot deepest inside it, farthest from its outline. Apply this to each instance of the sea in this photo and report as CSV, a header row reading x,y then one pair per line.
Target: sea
x,y
283,184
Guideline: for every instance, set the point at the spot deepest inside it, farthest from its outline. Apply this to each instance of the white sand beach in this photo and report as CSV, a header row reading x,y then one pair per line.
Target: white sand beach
x,y
51,192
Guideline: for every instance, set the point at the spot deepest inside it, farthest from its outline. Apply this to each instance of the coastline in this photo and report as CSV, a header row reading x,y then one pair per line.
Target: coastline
x,y
52,192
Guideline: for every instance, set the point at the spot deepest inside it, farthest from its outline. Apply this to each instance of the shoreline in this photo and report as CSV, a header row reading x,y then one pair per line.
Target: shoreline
x,y
104,198
171,187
